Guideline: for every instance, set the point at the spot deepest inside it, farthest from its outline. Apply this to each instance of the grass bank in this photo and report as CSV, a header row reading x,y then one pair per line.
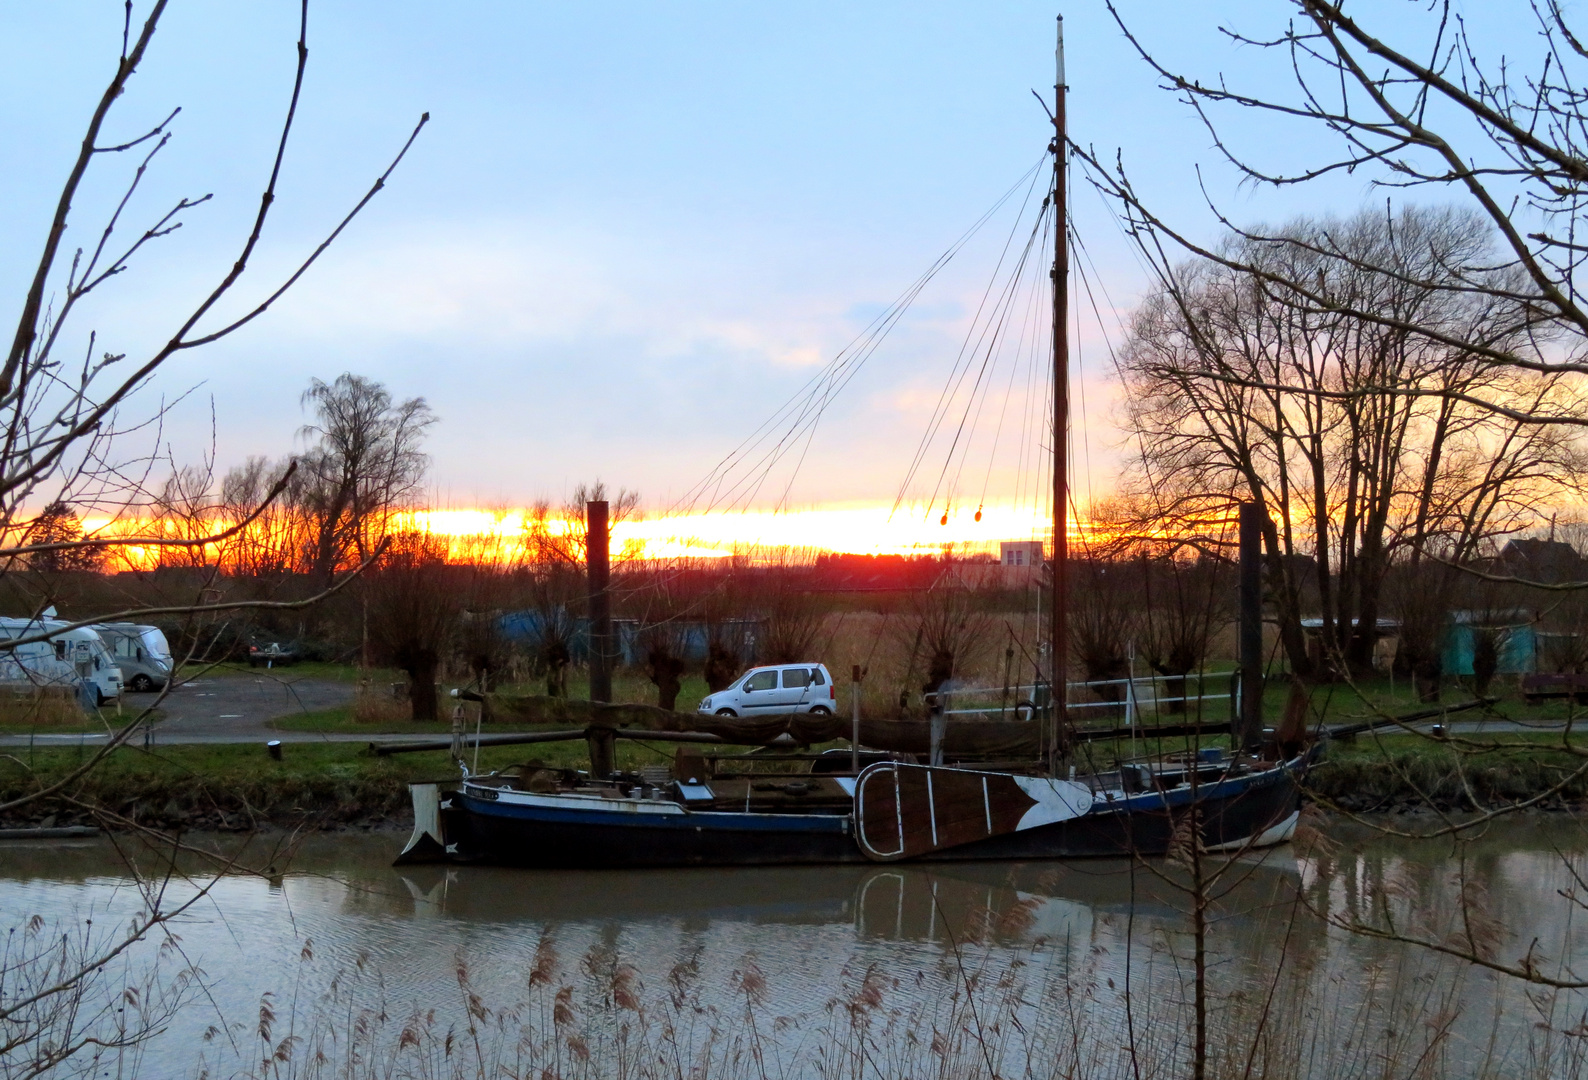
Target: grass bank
x,y
1401,771
337,785
233,786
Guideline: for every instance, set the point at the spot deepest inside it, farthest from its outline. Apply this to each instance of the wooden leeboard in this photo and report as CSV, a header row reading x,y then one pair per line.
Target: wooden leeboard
x,y
905,811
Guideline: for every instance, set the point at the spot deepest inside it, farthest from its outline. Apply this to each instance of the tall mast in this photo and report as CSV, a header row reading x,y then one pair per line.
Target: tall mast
x,y
1058,637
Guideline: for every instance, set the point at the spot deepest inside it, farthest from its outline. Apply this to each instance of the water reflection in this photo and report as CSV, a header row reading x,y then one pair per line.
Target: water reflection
x,y
915,903
1072,934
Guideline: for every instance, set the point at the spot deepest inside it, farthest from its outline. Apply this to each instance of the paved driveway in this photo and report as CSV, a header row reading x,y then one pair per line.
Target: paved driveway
x,y
227,709
237,708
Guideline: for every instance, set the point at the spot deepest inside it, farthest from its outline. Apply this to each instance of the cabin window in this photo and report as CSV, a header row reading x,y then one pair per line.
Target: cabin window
x,y
60,650
761,680
817,678
796,678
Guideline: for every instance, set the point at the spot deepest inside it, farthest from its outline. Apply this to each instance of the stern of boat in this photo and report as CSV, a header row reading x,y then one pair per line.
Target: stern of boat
x,y
430,842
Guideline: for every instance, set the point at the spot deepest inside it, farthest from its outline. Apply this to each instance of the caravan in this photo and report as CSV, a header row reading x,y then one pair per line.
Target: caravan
x,y
140,652
66,658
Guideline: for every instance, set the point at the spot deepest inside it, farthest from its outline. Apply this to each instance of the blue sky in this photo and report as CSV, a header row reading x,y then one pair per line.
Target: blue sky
x,y
630,230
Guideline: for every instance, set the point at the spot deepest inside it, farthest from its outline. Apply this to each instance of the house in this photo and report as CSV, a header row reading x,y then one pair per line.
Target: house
x,y
1020,563
1548,561
1020,553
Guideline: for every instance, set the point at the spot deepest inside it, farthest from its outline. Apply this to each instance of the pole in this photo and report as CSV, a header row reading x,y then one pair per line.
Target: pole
x,y
598,569
1251,626
1058,636
854,738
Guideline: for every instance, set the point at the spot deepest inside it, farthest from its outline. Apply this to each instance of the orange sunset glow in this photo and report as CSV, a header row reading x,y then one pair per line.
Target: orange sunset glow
x,y
867,529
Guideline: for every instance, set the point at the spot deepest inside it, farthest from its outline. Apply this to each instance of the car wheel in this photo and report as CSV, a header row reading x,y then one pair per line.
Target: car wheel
x,y
142,683
821,710
726,712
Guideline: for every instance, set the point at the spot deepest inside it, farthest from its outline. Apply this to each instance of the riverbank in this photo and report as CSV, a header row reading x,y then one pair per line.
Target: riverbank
x,y
339,786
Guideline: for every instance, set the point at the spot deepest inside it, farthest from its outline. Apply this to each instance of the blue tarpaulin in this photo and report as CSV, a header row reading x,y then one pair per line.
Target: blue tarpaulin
x,y
528,628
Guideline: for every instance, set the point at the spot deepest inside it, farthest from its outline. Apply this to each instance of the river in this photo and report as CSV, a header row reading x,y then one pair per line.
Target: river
x,y
338,965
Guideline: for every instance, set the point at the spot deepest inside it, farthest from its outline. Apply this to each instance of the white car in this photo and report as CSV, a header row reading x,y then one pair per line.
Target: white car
x,y
784,688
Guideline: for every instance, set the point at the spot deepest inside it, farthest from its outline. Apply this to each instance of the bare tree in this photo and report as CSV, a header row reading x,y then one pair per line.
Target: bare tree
x,y
721,607
791,616
414,607
1462,125
949,624
64,392
1104,621
1185,599
1436,111
364,465
276,543
1241,390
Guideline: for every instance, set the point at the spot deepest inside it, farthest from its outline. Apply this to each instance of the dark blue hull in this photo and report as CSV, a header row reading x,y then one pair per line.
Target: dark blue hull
x,y
1257,808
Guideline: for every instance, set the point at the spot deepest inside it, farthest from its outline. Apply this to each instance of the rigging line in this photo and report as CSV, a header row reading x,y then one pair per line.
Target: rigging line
x,y
854,354
1086,282
995,348
801,403
940,410
816,401
1102,287
1041,344
844,357
1080,372
980,330
992,334
1027,330
811,413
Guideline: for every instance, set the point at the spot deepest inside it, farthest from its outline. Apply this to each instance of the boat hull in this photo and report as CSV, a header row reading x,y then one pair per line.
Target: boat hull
x,y
1252,810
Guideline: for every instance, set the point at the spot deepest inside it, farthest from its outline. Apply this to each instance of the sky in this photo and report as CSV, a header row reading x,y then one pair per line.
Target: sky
x,y
631,232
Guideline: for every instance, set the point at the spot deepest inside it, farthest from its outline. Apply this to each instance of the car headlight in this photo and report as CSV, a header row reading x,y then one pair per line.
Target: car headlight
x,y
705,703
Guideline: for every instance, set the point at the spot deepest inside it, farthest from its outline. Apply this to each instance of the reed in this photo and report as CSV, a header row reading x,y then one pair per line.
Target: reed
x,y
1115,1007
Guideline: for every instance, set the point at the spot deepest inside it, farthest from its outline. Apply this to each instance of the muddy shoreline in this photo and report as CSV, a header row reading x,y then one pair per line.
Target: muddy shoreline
x,y
377,801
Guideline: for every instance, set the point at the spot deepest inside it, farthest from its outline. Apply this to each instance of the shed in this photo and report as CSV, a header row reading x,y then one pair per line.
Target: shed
x,y
1516,641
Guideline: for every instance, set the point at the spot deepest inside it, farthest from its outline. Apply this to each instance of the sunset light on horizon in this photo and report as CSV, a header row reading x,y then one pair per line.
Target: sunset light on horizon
x,y
850,528
847,528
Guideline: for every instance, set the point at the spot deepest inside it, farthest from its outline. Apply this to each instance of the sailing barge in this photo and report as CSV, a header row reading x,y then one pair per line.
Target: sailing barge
x,y
776,808
1017,790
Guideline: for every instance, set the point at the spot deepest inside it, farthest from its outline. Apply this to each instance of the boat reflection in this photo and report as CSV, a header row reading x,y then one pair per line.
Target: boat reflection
x,y
928,903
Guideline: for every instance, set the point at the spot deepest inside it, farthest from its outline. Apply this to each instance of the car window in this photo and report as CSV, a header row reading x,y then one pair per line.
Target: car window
x,y
761,680
817,678
796,677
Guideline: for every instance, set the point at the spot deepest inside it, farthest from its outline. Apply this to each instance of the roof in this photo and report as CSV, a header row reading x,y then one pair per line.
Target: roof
x,y
1547,561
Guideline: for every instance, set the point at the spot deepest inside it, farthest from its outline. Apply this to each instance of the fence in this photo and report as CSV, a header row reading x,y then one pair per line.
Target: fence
x,y
1142,696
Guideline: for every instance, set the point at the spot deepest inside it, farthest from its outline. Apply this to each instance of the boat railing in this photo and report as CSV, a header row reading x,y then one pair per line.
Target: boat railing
x,y
1138,696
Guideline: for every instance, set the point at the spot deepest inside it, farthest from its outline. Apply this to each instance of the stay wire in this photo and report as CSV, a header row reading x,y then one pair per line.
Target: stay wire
x,y
965,356
1028,329
737,478
992,334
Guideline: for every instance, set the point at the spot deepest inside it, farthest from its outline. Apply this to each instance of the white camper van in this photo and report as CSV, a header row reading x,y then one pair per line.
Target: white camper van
x,y
140,652
66,658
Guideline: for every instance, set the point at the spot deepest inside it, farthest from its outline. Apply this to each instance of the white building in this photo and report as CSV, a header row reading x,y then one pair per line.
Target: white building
x,y
1020,553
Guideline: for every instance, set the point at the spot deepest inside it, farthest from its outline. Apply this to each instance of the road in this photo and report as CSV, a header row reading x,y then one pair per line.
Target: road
x,y
239,708
228,709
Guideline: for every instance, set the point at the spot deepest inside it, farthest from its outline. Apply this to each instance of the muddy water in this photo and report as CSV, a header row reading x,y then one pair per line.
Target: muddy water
x,y
1029,969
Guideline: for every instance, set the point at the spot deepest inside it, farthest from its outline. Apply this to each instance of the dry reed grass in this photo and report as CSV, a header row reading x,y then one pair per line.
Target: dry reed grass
x,y
1049,1009
40,706
372,706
